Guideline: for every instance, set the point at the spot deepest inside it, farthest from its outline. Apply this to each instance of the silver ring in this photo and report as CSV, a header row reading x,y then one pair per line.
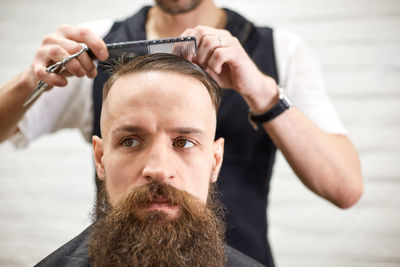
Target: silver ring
x,y
220,40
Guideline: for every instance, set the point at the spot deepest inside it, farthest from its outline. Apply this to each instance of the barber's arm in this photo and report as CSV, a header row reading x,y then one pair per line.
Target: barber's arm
x,y
54,48
326,163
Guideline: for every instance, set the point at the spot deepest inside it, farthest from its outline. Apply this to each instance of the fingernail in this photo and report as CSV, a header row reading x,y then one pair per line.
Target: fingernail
x,y
104,54
92,73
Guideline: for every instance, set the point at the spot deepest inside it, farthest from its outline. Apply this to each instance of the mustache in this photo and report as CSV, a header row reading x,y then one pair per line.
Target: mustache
x,y
155,192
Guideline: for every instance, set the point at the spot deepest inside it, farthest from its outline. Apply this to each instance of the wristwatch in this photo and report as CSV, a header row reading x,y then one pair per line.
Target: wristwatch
x,y
283,104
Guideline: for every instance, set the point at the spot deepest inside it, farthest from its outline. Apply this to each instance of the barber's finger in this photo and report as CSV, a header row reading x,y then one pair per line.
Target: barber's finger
x,y
219,57
51,79
88,65
56,80
198,33
83,35
81,65
73,66
208,44
209,39
230,51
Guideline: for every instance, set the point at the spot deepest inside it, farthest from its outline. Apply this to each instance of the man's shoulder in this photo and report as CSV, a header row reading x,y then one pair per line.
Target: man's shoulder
x,y
73,253
238,259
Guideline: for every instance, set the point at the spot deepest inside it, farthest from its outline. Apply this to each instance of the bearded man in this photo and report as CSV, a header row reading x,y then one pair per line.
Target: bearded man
x,y
157,160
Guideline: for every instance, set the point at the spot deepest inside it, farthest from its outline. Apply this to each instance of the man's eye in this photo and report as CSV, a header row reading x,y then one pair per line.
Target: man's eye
x,y
183,143
130,142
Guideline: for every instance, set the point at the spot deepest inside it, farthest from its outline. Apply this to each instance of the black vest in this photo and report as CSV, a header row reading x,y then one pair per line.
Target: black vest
x,y
249,155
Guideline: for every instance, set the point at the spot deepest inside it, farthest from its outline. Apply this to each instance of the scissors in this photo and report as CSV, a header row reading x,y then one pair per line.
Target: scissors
x,y
55,68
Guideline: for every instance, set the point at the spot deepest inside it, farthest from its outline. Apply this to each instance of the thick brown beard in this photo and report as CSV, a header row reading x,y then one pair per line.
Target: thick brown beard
x,y
176,9
129,236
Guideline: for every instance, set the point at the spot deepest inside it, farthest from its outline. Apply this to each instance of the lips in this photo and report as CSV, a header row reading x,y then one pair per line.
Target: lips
x,y
160,200
161,203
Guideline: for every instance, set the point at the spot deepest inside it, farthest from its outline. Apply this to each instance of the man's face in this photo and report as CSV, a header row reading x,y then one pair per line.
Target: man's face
x,y
177,6
158,126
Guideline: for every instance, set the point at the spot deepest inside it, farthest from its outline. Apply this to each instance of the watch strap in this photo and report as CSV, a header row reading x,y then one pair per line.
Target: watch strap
x,y
282,105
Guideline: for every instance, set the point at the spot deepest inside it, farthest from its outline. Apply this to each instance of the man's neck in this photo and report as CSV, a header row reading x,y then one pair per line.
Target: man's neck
x,y
163,25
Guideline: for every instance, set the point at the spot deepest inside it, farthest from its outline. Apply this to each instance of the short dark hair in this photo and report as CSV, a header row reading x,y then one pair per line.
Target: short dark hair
x,y
163,62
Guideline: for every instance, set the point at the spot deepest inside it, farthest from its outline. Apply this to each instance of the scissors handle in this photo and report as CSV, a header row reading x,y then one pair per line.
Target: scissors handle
x,y
58,67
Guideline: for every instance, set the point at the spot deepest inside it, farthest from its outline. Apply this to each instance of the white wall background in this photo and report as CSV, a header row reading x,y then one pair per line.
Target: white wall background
x,y
46,190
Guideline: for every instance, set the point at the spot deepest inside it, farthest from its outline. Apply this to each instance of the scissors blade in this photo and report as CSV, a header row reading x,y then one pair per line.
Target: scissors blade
x,y
38,90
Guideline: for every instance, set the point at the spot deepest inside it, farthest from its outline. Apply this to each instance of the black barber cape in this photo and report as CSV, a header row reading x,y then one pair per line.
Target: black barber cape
x,y
249,155
75,254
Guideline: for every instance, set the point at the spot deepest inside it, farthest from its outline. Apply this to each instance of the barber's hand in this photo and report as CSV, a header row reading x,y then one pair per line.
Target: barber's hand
x,y
61,44
222,56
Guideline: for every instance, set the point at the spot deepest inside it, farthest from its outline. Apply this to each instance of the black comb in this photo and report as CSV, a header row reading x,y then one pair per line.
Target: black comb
x,y
180,46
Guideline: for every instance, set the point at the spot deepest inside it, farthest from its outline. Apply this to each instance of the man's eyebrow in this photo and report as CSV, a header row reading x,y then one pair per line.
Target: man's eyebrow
x,y
128,128
188,130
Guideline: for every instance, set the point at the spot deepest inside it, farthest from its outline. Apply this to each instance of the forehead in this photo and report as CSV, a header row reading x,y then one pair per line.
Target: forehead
x,y
159,96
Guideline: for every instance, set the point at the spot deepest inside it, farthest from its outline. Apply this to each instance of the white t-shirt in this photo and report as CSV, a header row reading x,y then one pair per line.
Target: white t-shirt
x,y
72,106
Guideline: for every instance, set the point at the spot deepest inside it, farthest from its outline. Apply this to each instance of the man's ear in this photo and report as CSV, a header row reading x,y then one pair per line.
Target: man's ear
x,y
218,157
98,156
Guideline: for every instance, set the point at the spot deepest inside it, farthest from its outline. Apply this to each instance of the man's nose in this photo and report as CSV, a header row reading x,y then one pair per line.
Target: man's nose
x,y
158,165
